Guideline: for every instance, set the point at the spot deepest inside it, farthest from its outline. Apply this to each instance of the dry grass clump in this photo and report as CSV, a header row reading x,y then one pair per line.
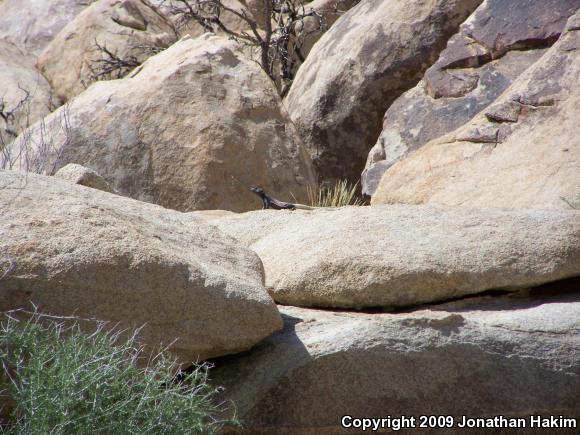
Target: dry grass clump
x,y
339,195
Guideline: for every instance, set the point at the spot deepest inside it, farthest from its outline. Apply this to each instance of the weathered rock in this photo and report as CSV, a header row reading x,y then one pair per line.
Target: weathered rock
x,y
32,24
178,12
477,358
369,57
310,30
79,174
230,20
184,130
25,95
81,251
412,255
494,46
131,30
415,118
521,151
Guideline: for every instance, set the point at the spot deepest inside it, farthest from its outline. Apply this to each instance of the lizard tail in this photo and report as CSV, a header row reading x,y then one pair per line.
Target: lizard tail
x,y
304,207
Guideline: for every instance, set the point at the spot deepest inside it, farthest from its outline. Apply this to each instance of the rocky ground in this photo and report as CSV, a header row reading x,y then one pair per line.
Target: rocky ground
x,y
129,135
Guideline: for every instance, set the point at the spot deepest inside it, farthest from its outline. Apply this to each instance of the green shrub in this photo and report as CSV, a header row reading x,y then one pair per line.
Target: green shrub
x,y
341,194
66,382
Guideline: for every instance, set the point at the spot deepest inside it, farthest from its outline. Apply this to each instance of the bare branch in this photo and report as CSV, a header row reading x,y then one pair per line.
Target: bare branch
x,y
279,42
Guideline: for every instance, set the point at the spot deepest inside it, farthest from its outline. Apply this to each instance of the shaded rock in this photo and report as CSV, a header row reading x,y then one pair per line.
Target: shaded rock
x,y
226,126
32,24
522,151
369,57
25,96
96,255
131,31
79,174
412,255
258,11
479,358
472,72
309,31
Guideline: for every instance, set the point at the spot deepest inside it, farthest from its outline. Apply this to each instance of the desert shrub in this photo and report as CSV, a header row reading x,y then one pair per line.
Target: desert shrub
x,y
64,381
39,148
340,194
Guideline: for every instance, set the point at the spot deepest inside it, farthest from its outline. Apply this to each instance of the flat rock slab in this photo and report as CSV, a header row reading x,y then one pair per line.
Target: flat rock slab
x,y
75,250
480,358
395,256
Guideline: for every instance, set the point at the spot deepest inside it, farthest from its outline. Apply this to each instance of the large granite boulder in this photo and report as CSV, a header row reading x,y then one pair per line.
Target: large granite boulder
x,y
481,358
72,250
396,256
25,96
521,151
190,129
100,40
32,24
370,56
494,46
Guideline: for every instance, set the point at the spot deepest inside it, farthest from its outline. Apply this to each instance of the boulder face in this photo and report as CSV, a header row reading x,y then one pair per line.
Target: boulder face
x,y
494,46
25,96
412,255
370,56
190,129
32,24
521,151
477,358
130,30
78,174
310,30
75,250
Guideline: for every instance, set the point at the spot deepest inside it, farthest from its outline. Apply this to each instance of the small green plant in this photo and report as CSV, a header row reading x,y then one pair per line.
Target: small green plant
x,y
63,381
341,194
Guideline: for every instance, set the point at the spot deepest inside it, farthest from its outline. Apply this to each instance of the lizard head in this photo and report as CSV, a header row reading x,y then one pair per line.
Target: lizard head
x,y
257,190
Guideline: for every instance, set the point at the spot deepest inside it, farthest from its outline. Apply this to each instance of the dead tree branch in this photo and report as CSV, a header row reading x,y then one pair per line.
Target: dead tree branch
x,y
279,42
113,66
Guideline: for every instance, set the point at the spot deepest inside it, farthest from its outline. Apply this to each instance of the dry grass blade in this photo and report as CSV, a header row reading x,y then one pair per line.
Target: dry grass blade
x,y
341,194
